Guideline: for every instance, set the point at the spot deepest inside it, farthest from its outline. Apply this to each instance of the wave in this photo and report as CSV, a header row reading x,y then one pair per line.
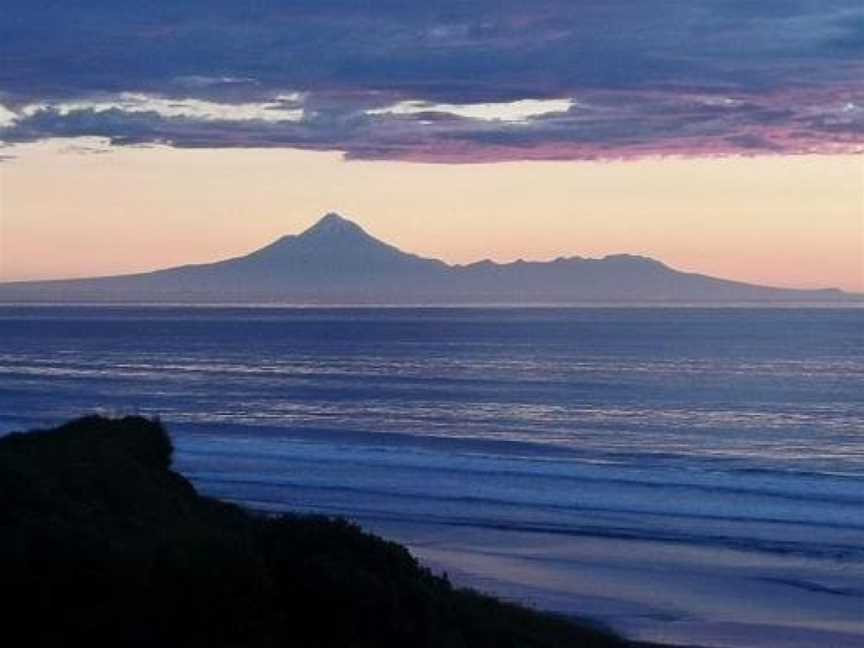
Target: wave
x,y
468,499
839,552
541,449
660,481
810,586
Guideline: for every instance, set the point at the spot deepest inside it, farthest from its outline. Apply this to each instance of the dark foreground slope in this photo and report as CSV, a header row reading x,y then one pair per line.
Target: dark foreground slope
x,y
100,542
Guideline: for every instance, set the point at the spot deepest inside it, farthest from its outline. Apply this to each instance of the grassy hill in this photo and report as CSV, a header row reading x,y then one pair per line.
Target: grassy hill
x,y
101,542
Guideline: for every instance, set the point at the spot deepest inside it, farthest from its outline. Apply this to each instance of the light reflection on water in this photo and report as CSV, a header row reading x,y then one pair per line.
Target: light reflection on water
x,y
719,384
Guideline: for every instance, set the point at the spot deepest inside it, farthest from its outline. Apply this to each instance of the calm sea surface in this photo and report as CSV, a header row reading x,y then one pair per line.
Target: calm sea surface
x,y
683,474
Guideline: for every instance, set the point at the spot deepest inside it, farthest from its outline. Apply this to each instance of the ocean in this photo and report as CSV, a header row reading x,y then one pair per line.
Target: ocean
x,y
686,475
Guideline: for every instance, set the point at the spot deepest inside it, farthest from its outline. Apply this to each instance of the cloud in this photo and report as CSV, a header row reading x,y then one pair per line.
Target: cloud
x,y
7,117
511,111
282,108
448,81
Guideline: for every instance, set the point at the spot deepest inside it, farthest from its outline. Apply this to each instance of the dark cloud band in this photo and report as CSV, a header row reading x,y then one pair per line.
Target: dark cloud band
x,y
442,81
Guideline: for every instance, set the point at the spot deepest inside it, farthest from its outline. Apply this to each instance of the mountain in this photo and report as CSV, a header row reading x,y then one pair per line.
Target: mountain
x,y
336,262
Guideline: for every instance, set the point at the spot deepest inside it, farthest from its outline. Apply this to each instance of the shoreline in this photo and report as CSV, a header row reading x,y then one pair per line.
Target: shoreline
x,y
592,589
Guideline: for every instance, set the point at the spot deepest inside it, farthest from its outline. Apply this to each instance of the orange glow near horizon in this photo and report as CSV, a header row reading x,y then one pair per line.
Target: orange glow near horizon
x,y
783,221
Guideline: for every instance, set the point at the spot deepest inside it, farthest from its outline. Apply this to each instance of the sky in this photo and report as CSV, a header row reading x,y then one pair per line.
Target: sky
x,y
720,136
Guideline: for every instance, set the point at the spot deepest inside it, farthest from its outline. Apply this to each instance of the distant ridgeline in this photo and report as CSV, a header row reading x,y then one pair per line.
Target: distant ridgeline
x,y
336,262
102,543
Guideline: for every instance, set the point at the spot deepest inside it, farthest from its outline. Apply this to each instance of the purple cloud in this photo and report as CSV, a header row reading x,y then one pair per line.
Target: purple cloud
x,y
447,82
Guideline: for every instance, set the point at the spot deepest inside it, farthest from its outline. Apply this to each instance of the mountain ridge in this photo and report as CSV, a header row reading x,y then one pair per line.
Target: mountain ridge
x,y
335,261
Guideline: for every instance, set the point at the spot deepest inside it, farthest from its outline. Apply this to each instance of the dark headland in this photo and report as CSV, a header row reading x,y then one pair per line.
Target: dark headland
x,y
102,543
336,262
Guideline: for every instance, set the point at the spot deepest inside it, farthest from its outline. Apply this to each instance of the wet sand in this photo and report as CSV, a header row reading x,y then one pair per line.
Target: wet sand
x,y
651,591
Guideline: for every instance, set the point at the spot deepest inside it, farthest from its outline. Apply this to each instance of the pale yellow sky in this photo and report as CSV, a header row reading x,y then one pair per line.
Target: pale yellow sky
x,y
784,221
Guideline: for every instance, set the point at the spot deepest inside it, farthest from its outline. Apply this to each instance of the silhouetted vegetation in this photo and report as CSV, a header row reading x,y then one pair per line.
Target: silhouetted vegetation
x,y
102,543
